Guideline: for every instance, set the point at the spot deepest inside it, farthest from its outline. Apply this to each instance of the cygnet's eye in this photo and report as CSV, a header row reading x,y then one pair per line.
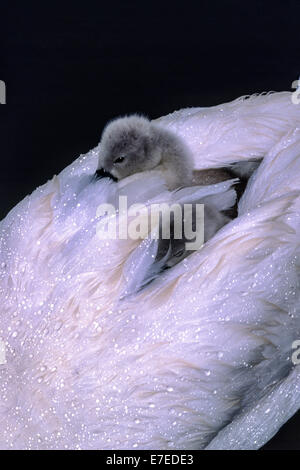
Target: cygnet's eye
x,y
119,160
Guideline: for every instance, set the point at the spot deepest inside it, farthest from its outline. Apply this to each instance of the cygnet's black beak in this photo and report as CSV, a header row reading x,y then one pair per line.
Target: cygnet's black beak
x,y
101,173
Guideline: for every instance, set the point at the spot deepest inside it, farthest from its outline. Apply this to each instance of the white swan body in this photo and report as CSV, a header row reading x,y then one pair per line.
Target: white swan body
x,y
243,129
199,358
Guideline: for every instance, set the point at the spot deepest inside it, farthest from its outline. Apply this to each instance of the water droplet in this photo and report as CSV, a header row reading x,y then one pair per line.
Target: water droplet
x,y
58,325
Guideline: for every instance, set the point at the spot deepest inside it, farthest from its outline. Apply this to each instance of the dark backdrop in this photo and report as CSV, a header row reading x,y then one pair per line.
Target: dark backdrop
x,y
70,67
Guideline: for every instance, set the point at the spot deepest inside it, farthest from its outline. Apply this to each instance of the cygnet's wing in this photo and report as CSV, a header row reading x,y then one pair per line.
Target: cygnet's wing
x,y
244,129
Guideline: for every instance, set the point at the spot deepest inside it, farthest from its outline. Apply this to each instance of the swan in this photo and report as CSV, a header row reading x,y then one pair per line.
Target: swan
x,y
200,358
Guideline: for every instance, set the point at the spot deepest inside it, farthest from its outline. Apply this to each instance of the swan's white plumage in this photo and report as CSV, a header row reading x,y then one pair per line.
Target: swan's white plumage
x,y
244,128
202,356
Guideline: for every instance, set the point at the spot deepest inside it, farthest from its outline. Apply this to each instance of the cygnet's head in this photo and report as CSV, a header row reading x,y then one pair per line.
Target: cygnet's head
x,y
134,144
128,145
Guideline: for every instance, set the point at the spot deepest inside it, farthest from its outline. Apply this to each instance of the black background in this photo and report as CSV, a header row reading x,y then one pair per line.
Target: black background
x,y
69,67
